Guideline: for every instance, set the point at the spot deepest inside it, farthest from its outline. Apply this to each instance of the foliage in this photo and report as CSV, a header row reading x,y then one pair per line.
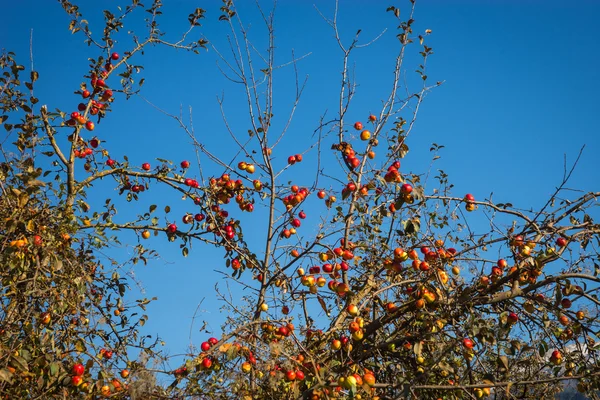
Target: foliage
x,y
391,295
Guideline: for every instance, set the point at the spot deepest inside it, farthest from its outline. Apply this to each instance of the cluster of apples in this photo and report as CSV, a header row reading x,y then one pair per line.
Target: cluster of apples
x,y
296,197
98,106
106,389
393,173
226,188
469,202
294,224
294,159
273,333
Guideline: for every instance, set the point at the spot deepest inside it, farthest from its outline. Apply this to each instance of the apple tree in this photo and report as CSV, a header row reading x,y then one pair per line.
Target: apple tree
x,y
369,279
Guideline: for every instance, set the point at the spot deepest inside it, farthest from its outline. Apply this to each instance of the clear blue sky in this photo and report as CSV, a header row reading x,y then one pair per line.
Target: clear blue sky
x,y
521,91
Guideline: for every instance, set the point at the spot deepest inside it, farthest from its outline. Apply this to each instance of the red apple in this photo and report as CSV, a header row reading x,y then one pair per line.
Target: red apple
x,y
78,369
172,228
358,126
468,343
76,380
114,56
561,242
290,375
185,164
146,166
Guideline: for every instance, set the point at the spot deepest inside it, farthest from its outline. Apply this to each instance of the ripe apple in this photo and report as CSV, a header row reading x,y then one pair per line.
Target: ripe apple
x,y
321,194
207,363
114,56
76,380
185,164
302,215
512,318
564,320
336,344
205,346
45,318
146,166
561,242
352,310
358,126
365,135
172,228
85,94
78,369
299,375
37,241
250,168
468,343
107,94
298,157
372,118
566,303
246,367
264,307
469,198
368,377
556,357
290,376
291,160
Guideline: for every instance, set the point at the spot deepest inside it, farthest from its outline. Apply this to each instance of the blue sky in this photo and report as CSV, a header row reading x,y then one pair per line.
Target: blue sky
x,y
521,83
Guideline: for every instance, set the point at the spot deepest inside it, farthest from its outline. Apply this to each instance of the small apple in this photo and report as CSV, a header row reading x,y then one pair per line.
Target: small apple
x,y
246,367
290,376
78,369
205,346
302,215
368,377
365,135
172,228
45,318
358,126
372,118
85,94
37,241
556,357
207,363
146,166
76,380
185,164
512,318
352,310
114,56
561,242
468,343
